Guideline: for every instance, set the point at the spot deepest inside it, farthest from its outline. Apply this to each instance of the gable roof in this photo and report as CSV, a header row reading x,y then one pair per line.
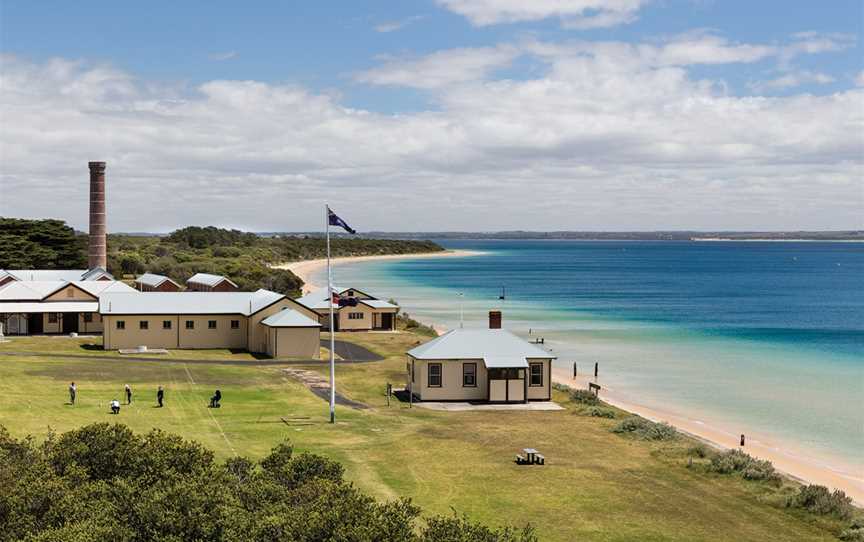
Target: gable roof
x,y
378,304
496,347
154,280
245,303
96,273
289,318
46,274
209,280
317,300
37,290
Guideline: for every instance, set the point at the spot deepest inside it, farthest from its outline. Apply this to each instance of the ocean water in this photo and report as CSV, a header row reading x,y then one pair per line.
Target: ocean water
x,y
761,337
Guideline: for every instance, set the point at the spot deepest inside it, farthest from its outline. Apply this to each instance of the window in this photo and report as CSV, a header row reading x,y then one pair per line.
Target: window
x,y
211,324
350,293
235,324
52,317
69,292
434,375
144,324
121,324
355,315
190,324
536,375
88,316
166,324
469,375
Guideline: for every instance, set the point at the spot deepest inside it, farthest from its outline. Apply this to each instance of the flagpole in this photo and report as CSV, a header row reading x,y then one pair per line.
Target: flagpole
x,y
332,332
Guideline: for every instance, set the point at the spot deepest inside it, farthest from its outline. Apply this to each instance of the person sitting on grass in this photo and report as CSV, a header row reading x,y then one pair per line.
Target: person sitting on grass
x,y
115,407
214,401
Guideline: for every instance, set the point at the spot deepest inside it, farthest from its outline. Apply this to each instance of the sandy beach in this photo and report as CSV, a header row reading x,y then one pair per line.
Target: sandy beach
x,y
797,466
308,268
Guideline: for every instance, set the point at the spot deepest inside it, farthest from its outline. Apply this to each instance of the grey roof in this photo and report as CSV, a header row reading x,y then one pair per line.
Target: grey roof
x,y
316,300
96,273
208,279
154,280
496,347
244,303
36,290
289,318
49,306
378,304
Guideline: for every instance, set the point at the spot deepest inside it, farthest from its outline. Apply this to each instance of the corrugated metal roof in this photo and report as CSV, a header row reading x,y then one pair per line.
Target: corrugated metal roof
x,y
208,279
36,290
485,344
505,362
245,303
317,300
50,306
154,280
378,304
99,287
47,274
96,273
289,318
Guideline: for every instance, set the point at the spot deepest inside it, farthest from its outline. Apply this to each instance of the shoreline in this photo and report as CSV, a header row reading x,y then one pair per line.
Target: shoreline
x,y
305,269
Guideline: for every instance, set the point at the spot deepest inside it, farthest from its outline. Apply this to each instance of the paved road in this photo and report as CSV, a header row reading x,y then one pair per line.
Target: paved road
x,y
352,352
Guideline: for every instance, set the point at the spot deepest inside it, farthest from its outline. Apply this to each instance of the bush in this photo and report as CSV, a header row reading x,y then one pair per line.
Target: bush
x,y
646,429
853,533
700,450
584,397
750,468
600,412
819,500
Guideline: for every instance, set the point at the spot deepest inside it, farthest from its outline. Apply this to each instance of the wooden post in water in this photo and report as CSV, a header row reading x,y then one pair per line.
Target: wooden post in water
x,y
596,367
575,373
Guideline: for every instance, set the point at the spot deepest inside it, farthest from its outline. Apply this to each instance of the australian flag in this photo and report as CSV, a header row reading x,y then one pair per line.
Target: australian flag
x,y
334,220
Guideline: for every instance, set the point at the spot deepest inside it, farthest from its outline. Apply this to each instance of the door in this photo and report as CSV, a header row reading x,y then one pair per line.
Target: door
x,y
387,321
35,322
70,322
507,385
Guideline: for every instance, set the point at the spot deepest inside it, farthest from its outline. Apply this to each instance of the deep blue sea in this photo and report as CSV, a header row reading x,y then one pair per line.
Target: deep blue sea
x,y
763,336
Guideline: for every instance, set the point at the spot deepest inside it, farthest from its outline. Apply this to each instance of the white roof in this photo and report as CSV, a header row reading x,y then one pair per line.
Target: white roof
x,y
244,303
36,290
100,287
378,304
289,318
152,279
96,273
47,274
208,279
496,347
50,306
317,300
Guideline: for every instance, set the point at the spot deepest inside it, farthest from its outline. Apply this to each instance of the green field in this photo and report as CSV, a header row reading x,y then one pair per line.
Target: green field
x,y
596,485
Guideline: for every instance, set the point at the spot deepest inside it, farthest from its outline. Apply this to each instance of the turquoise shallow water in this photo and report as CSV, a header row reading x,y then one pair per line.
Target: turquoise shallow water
x,y
765,337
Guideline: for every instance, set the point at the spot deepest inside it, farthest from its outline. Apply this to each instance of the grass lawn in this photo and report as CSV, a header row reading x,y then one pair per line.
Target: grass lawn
x,y
596,485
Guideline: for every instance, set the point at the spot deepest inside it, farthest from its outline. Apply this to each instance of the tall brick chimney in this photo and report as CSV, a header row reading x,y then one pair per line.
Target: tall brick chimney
x,y
494,319
97,252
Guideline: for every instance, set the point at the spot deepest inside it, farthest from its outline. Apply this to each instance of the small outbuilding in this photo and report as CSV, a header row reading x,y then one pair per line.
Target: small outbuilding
x,y
354,310
288,335
150,282
205,282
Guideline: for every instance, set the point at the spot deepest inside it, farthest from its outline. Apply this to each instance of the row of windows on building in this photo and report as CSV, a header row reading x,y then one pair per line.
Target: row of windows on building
x,y
355,315
469,375
54,317
167,324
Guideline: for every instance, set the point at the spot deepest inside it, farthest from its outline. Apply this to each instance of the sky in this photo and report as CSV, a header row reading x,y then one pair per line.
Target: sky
x,y
436,115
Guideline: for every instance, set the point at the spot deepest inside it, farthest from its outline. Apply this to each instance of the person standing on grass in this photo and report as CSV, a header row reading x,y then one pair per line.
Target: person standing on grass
x,y
72,390
160,394
128,394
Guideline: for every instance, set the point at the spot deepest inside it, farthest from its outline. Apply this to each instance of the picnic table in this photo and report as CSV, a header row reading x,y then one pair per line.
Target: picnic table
x,y
532,457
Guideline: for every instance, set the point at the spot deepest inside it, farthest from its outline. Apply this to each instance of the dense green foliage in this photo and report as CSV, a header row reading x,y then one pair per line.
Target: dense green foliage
x,y
820,500
40,244
584,397
243,257
737,462
646,429
104,482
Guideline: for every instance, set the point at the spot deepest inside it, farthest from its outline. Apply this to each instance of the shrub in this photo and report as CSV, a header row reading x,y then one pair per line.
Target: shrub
x,y
600,412
853,533
750,468
646,429
819,500
584,397
561,387
700,450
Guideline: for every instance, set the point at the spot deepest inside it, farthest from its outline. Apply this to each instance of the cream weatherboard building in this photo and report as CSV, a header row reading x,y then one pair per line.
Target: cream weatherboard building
x,y
480,365
358,311
262,321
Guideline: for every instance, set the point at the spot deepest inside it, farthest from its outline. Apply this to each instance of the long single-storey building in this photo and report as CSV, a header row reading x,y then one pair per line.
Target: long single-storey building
x,y
261,321
355,310
482,365
65,275
30,307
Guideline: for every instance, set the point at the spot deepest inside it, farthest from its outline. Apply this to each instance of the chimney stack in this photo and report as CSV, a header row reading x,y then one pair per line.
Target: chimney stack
x,y
494,319
97,251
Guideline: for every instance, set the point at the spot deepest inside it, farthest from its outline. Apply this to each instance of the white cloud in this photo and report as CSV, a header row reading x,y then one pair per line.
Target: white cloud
x,y
607,137
392,26
227,55
578,14
792,80
440,69
859,79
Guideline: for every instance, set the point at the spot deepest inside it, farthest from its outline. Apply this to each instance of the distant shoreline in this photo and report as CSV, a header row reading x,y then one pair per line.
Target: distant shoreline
x,y
305,269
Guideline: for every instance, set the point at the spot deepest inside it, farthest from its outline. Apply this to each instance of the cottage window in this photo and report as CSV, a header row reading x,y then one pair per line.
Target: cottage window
x,y
190,324
235,324
88,317
211,324
434,375
52,317
166,324
469,375
143,324
121,324
536,375
355,315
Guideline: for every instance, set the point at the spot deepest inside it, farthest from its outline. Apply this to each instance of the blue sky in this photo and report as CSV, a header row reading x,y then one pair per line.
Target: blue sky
x,y
428,73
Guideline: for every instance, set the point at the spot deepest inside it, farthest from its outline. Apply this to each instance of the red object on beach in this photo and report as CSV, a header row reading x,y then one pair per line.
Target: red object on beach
x,y
742,440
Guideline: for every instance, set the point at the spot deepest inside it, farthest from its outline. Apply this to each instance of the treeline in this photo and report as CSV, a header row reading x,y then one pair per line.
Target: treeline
x,y
104,482
40,244
244,257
